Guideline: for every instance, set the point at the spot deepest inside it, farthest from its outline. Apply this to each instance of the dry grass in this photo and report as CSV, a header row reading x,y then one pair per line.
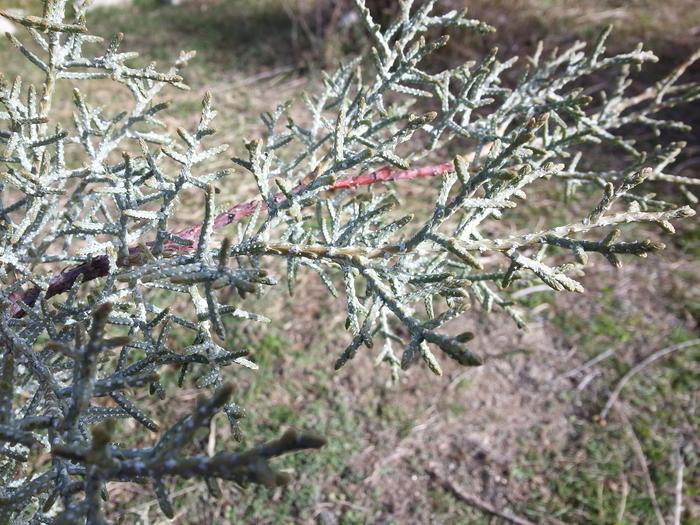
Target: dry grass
x,y
671,27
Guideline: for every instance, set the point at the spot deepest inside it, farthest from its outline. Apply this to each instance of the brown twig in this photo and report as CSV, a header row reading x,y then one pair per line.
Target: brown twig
x,y
640,366
474,501
382,175
588,364
99,266
641,458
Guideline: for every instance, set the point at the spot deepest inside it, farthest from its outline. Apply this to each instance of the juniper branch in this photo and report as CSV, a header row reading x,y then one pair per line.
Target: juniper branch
x,y
105,215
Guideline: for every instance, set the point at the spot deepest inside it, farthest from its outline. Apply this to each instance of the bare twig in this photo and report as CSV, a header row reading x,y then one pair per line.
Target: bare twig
x,y
623,500
585,366
99,266
641,458
263,75
474,501
678,490
382,175
587,380
640,366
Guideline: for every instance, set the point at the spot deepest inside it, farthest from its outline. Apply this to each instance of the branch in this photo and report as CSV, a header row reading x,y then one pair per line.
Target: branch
x,y
99,266
382,175
641,458
475,502
640,366
678,489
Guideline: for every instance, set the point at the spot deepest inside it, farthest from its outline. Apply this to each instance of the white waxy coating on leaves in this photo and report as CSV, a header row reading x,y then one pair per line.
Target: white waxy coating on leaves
x,y
401,275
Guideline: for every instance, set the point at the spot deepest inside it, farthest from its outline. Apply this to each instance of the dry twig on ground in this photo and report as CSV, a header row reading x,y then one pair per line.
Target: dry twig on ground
x,y
639,367
641,458
678,489
474,501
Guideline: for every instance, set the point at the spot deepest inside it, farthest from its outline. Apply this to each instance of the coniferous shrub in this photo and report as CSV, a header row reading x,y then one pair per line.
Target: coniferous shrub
x,y
95,276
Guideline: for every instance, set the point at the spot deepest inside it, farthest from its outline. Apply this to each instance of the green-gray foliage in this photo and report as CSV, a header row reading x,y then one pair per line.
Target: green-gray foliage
x,y
97,199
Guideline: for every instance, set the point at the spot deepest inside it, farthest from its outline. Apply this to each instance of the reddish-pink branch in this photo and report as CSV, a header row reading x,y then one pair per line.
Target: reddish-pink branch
x,y
239,211
99,266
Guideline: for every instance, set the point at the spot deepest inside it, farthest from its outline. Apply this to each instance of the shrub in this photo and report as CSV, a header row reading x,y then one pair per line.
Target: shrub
x,y
93,275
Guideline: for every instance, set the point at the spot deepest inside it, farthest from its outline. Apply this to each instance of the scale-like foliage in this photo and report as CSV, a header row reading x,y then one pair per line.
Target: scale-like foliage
x,y
92,276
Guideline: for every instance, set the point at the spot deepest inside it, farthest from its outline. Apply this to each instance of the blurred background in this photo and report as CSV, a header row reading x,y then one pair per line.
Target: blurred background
x,y
519,434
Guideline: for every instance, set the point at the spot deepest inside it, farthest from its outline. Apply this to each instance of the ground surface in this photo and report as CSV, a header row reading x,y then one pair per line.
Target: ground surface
x,y
519,433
